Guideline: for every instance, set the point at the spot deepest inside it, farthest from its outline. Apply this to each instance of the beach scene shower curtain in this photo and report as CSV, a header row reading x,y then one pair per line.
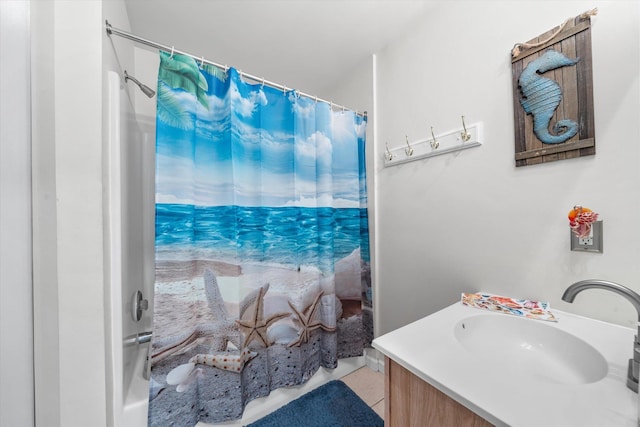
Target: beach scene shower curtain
x,y
262,242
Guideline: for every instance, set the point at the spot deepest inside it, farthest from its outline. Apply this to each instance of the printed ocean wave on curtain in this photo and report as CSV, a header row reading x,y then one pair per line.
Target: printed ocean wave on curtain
x,y
262,242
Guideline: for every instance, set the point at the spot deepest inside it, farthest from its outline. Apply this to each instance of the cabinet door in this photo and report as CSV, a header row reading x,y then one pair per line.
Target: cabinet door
x,y
411,402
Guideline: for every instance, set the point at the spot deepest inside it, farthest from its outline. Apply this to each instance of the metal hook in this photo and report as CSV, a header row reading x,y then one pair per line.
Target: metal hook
x,y
409,149
466,136
434,143
388,154
262,87
201,61
172,50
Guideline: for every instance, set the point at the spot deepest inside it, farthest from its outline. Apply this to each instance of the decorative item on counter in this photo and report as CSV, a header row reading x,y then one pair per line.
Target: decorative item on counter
x,y
519,307
580,220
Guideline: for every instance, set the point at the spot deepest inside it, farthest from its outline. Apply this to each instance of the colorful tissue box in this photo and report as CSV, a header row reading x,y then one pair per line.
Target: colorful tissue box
x,y
517,307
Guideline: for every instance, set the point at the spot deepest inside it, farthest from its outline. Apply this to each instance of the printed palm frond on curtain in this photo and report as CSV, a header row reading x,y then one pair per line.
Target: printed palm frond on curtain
x,y
183,73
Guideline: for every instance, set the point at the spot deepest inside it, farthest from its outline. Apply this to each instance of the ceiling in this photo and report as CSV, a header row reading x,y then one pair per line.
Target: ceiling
x,y
303,44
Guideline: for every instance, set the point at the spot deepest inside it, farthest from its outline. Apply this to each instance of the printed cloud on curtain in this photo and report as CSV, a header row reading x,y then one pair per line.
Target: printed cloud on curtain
x,y
262,242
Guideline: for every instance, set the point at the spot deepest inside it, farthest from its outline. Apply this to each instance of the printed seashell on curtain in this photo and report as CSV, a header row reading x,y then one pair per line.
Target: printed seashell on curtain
x,y
262,242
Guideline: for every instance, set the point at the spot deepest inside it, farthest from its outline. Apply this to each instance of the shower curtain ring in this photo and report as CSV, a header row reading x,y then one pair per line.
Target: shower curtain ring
x,y
172,50
201,61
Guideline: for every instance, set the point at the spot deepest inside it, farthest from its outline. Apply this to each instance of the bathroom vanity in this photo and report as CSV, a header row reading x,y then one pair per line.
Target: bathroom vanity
x,y
471,367
411,401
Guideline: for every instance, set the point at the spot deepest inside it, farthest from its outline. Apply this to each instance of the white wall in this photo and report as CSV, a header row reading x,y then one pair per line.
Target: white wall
x,y
472,221
70,263
68,254
45,260
16,313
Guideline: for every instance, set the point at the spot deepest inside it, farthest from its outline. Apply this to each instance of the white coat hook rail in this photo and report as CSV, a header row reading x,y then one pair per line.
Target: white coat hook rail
x,y
468,136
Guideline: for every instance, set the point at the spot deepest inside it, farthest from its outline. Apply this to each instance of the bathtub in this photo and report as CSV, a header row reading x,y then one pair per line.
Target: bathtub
x,y
130,238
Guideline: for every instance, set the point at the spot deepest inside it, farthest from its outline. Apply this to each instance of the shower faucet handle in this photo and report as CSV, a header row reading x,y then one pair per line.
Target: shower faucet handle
x,y
139,304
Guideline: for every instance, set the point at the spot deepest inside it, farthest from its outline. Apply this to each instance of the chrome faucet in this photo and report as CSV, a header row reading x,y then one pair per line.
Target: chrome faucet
x,y
633,371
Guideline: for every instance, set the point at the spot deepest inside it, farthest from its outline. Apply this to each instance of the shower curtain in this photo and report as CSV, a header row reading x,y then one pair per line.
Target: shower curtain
x,y
262,242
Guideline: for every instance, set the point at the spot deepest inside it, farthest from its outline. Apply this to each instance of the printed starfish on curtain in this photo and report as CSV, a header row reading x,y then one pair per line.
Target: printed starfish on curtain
x,y
220,332
256,326
305,319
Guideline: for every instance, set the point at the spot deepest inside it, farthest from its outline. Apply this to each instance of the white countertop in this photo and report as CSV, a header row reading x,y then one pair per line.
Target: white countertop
x,y
429,349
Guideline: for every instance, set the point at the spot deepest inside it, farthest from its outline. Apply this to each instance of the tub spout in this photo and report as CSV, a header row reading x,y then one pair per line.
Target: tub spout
x,y
633,371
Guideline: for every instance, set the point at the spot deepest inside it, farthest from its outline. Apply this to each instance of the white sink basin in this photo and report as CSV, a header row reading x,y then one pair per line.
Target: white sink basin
x,y
522,372
530,348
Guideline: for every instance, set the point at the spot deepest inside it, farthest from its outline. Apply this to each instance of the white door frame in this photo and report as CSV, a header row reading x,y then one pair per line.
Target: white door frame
x,y
16,284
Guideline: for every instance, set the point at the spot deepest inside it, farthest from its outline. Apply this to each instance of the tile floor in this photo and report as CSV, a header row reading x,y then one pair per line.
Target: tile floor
x,y
369,385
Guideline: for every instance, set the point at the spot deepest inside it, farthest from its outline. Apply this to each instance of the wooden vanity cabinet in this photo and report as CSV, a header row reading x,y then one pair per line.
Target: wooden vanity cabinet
x,y
412,402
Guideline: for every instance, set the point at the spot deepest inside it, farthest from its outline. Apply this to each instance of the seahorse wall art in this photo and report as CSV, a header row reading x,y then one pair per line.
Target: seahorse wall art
x,y
541,96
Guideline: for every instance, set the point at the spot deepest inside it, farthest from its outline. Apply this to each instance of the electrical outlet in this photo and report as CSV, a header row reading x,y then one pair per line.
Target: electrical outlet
x,y
590,243
586,241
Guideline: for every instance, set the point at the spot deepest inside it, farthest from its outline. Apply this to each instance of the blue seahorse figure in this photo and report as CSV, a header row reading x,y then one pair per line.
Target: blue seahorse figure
x,y
541,97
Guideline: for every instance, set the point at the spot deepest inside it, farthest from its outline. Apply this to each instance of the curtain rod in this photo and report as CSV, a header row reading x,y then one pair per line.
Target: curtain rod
x,y
170,49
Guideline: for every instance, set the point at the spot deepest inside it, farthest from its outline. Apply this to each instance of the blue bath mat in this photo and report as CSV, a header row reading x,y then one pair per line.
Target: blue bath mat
x,y
331,405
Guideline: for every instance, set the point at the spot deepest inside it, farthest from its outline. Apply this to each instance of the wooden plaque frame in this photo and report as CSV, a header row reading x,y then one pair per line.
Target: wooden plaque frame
x,y
576,82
